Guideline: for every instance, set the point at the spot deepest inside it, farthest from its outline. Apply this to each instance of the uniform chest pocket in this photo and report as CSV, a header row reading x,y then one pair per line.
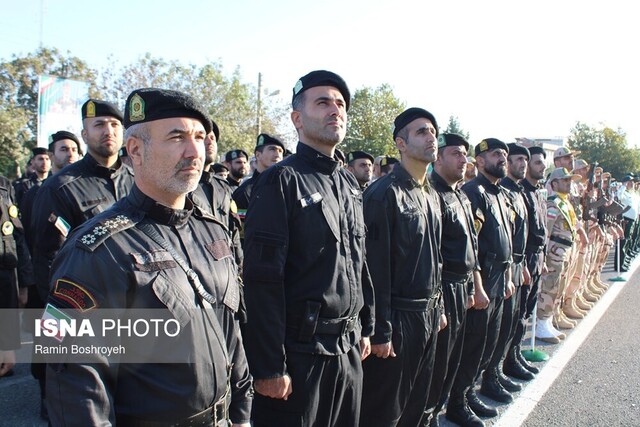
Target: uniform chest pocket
x,y
315,216
179,301
93,207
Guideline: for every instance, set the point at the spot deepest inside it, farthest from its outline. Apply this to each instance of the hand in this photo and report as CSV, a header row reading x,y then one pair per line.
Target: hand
x,y
23,297
365,347
526,277
471,300
510,289
481,300
275,388
7,361
443,322
383,350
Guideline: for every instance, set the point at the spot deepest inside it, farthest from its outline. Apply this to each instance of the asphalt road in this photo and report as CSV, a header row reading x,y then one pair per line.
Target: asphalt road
x,y
598,385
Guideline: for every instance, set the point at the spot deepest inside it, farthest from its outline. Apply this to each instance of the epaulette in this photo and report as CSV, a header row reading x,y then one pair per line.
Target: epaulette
x,y
104,229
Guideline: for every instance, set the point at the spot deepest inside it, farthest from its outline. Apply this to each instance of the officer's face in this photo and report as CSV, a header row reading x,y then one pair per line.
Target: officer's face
x,y
567,162
270,155
517,165
536,167
362,169
322,119
239,167
103,136
494,162
211,148
421,144
170,164
563,185
42,163
452,164
66,152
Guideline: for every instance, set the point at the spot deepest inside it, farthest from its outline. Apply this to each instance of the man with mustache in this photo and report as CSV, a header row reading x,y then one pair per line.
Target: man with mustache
x,y
490,208
307,285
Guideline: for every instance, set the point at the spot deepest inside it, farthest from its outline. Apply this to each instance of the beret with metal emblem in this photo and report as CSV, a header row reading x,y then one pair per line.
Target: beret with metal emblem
x,y
265,139
452,140
322,78
97,108
490,144
234,154
150,104
355,155
409,115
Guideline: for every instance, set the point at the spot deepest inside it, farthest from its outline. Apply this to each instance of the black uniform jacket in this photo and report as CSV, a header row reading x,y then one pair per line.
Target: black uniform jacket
x,y
519,217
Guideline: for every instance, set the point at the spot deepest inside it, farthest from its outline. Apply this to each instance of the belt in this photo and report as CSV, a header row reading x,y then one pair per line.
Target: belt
x,y
531,249
207,418
450,276
408,304
338,326
561,240
518,258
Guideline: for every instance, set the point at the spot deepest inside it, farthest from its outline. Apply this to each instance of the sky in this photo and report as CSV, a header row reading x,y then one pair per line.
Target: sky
x,y
505,69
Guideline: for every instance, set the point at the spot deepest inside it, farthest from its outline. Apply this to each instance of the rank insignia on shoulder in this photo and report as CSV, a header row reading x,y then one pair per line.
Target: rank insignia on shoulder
x,y
7,228
103,230
73,294
13,211
311,199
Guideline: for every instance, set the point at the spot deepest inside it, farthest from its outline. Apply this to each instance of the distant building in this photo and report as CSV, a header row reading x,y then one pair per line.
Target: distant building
x,y
548,144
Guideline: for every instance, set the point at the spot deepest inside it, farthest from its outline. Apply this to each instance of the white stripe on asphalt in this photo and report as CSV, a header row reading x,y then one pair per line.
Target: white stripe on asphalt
x,y
520,409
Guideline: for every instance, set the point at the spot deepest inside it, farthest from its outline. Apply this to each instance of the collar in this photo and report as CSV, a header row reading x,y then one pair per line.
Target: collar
x,y
100,170
488,184
160,213
400,174
322,163
511,184
435,176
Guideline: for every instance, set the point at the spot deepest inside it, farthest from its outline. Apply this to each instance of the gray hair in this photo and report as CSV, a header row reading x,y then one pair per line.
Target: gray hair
x,y
139,130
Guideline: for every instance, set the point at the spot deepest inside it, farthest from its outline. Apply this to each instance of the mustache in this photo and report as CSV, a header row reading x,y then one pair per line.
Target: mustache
x,y
188,163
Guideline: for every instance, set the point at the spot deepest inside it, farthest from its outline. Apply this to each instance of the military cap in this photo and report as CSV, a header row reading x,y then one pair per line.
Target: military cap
x,y
627,178
409,115
149,104
452,140
490,144
63,134
264,139
355,155
537,150
518,149
580,164
561,173
563,151
97,108
215,129
38,150
388,160
322,78
235,154
219,167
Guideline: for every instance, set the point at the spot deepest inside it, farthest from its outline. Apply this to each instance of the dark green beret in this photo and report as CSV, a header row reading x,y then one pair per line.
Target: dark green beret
x,y
516,149
265,139
97,108
234,154
355,155
537,150
322,78
452,140
490,144
149,104
410,115
388,160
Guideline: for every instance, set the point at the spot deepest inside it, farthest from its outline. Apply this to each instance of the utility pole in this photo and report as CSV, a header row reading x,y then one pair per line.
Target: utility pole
x,y
258,112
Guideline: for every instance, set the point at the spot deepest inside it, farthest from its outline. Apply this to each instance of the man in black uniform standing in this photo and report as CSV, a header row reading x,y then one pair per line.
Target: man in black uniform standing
x,y
41,169
237,161
402,215
360,164
155,249
268,152
307,285
459,250
489,206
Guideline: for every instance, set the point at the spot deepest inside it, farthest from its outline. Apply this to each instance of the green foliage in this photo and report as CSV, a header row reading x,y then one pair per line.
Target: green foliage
x,y
606,146
454,127
371,117
13,140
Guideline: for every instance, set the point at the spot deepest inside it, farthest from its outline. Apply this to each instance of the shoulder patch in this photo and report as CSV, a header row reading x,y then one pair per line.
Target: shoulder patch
x,y
103,230
73,294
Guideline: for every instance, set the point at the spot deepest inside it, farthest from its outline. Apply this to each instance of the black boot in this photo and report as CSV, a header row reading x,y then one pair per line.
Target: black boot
x,y
506,382
512,367
478,406
492,388
524,362
458,412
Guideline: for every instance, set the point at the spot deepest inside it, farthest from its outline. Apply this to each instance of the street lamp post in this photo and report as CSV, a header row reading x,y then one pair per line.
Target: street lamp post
x,y
259,104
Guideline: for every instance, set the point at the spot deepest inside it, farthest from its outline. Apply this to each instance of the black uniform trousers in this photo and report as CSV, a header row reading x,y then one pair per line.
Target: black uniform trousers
x,y
449,345
395,389
528,295
480,336
317,382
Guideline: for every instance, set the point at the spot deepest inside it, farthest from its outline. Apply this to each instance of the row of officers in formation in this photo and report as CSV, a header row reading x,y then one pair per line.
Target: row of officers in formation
x,y
333,290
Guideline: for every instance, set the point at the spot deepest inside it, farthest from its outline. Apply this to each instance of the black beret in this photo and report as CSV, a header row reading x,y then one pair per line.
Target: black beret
x,y
537,150
490,144
219,167
355,155
215,129
515,149
407,116
63,134
97,108
452,140
264,139
388,160
322,78
38,150
234,154
149,104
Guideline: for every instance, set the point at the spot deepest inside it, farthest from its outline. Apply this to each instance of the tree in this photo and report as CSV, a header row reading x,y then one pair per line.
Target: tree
x,y
13,138
454,127
371,117
608,147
